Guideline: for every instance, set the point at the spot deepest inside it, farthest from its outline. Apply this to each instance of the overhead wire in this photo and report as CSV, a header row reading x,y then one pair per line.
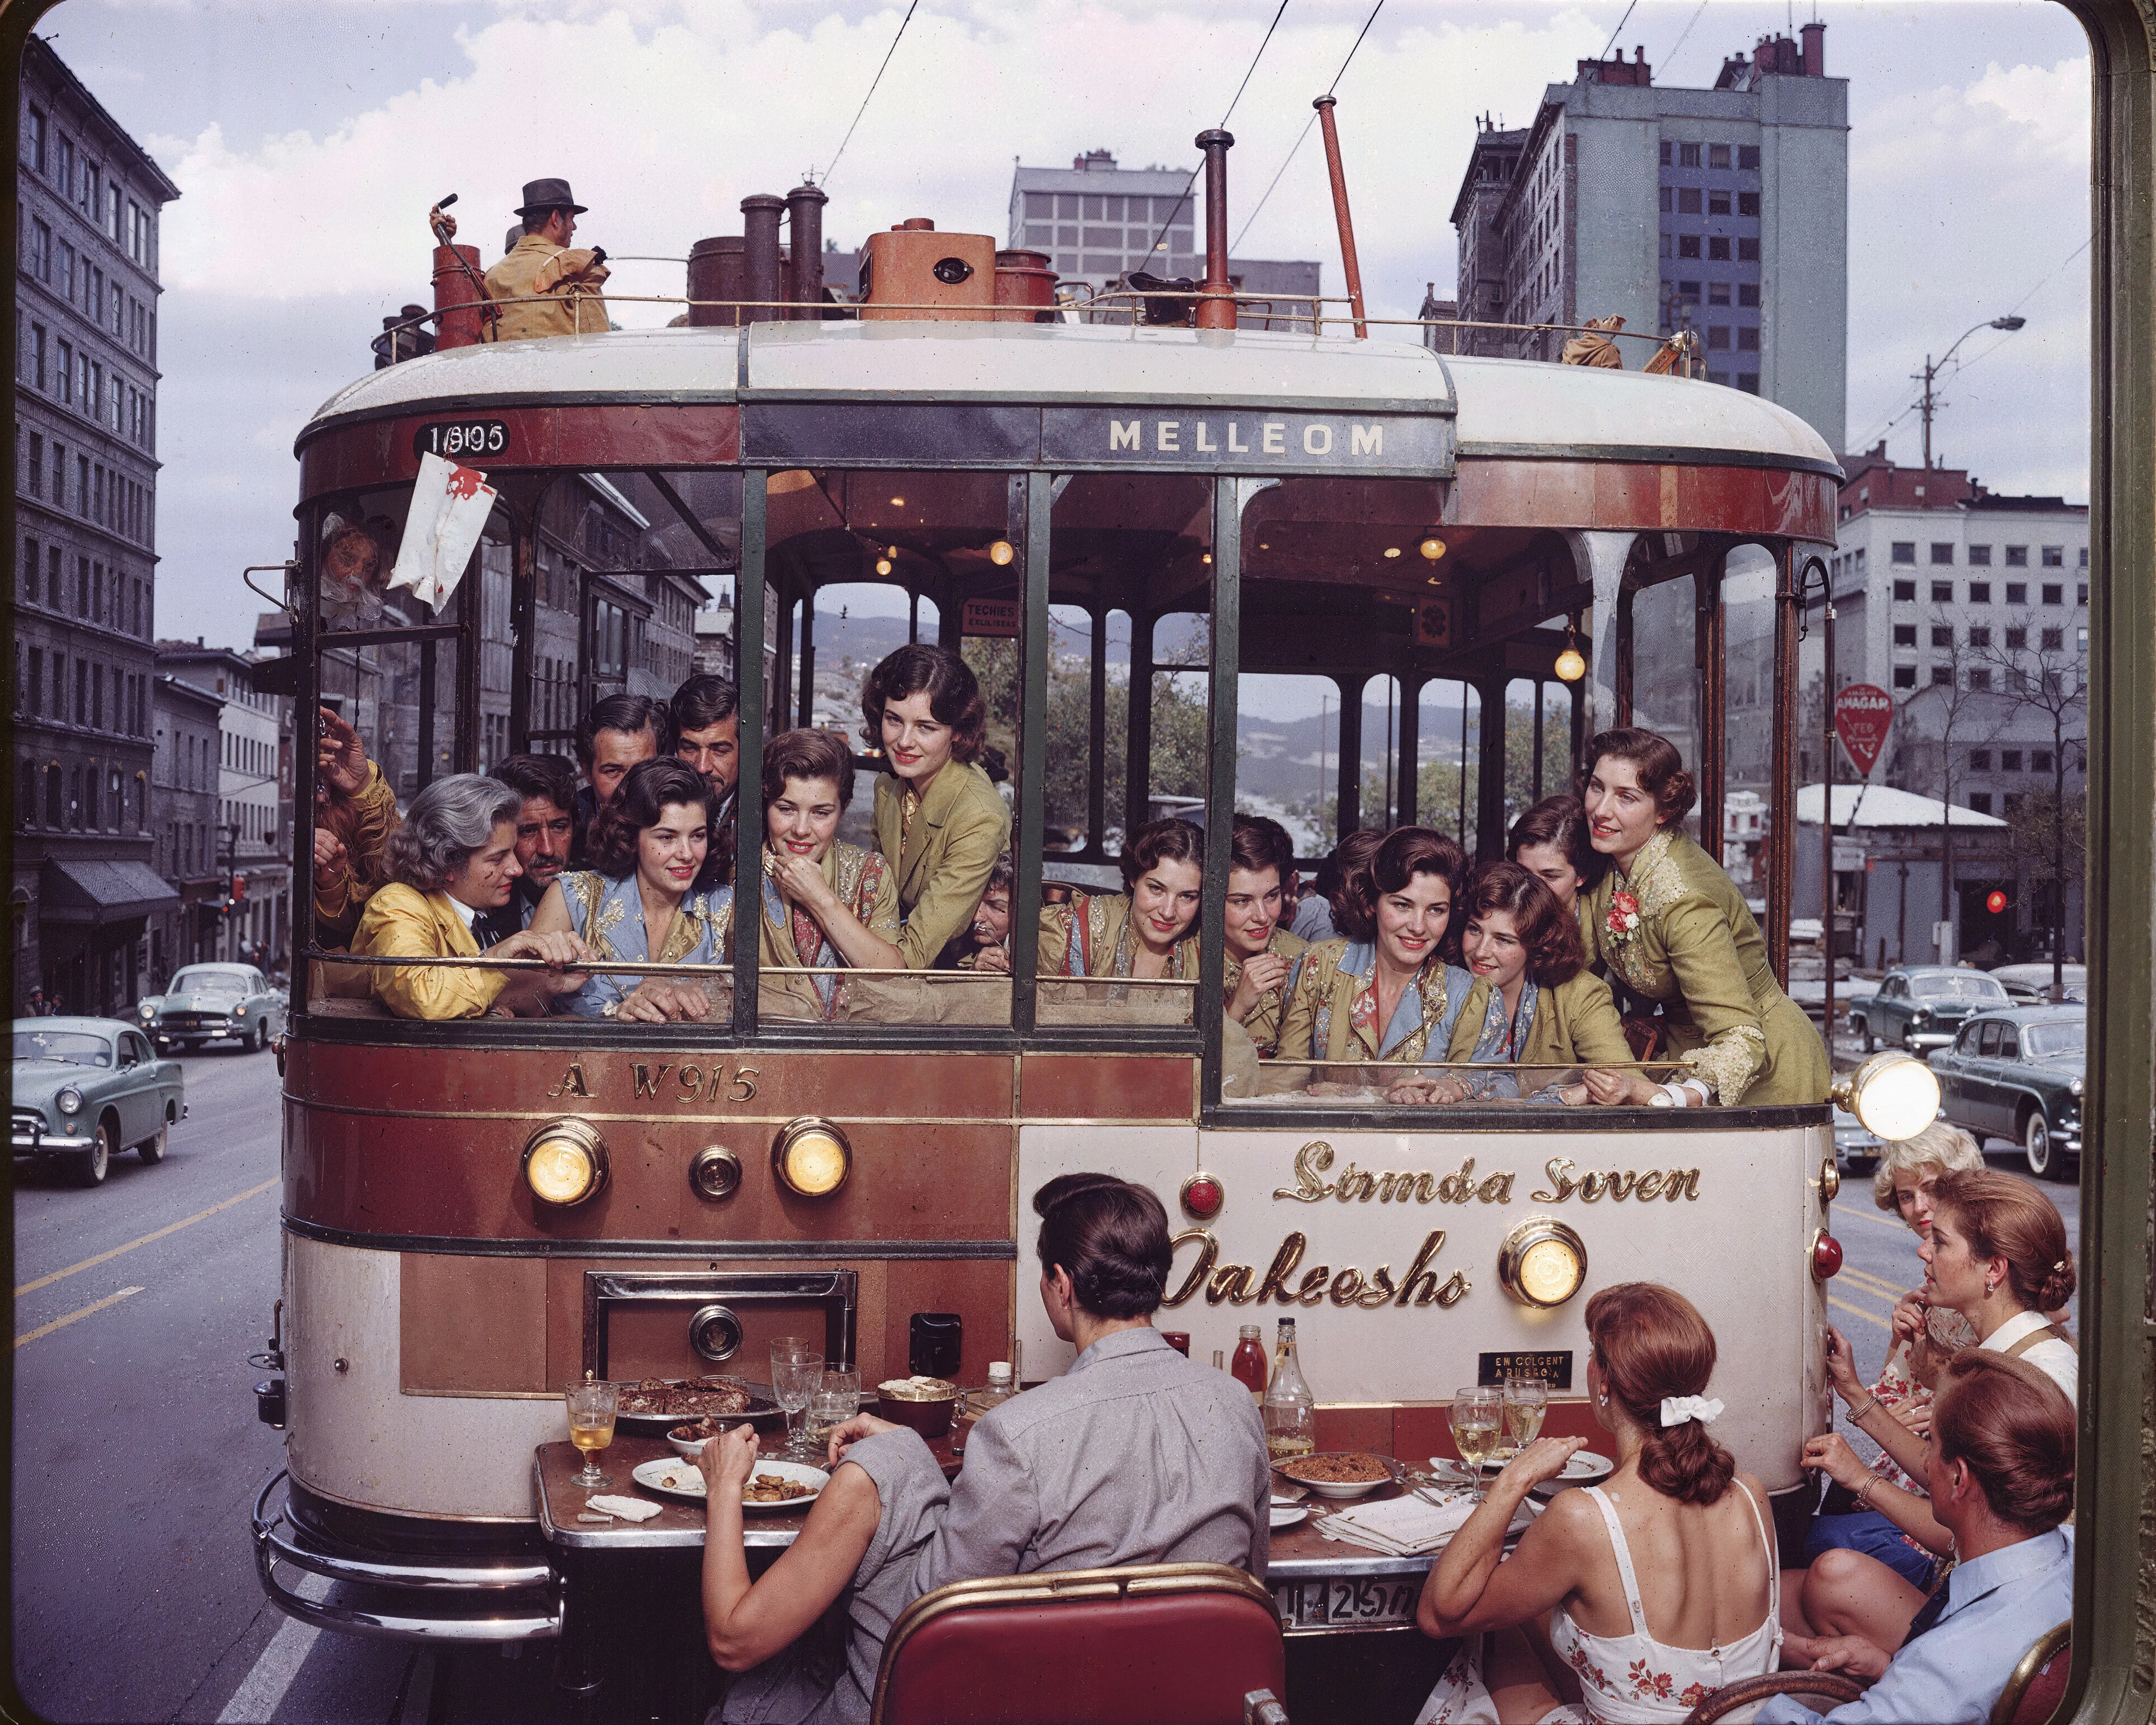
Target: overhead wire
x,y
1616,33
1303,136
871,96
1670,57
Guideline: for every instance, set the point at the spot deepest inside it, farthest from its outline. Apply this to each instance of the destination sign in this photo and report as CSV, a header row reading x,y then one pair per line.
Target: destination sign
x,y
461,439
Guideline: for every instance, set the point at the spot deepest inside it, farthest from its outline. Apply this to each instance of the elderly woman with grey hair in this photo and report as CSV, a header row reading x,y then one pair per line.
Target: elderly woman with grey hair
x,y
455,856
1908,1173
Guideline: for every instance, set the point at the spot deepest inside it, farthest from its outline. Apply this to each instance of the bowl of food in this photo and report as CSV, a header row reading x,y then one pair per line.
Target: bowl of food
x,y
1340,1473
925,1403
689,1441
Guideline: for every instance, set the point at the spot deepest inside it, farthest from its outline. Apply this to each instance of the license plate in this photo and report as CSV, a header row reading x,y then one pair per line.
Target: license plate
x,y
1348,1602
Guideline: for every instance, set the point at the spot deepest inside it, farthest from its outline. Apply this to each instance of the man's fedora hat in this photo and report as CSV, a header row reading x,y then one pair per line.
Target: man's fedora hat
x,y
548,194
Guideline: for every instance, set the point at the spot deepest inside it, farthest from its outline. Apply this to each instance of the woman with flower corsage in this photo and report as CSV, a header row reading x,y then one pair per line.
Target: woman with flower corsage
x,y
1673,928
1656,1588
1534,1003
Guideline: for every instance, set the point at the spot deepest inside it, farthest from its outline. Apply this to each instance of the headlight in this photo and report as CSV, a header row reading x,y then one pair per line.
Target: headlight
x,y
565,1162
1542,1263
70,1101
1893,1094
1923,1015
811,1157
148,1011
2076,1086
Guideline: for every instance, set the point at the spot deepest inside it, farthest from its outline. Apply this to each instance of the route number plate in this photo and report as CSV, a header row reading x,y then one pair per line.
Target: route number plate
x,y
462,439
1348,1602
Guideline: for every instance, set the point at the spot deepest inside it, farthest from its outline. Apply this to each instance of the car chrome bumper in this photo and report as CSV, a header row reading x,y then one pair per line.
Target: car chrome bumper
x,y
1932,1039
399,1597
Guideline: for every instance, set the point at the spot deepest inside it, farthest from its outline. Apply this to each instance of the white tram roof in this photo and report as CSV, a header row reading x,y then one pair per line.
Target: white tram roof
x,y
1500,407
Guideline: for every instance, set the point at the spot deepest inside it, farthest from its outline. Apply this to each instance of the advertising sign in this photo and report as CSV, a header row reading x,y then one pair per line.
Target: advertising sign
x,y
1863,714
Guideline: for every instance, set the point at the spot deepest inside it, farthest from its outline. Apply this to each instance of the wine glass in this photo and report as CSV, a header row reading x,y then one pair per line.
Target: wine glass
x,y
796,1369
1477,1416
1527,1399
591,1428
836,1400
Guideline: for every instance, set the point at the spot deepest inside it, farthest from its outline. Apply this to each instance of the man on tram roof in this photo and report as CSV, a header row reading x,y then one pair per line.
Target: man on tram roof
x,y
552,290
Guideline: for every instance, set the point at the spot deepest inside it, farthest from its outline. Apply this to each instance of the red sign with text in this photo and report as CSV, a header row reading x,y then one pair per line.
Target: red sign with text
x,y
1863,714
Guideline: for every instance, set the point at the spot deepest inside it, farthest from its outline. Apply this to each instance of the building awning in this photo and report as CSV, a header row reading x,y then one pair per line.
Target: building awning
x,y
85,890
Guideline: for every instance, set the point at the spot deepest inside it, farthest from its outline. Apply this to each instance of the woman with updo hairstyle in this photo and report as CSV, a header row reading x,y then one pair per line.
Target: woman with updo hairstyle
x,y
938,819
1383,990
1673,929
1692,1600
1148,930
1534,1002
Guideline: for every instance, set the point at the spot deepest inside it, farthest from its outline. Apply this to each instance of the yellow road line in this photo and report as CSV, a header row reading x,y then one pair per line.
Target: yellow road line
x,y
1877,1218
1858,1312
61,1323
1871,1283
46,1282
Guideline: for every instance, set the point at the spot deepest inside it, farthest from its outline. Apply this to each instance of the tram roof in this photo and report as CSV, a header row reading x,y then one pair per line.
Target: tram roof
x,y
1499,408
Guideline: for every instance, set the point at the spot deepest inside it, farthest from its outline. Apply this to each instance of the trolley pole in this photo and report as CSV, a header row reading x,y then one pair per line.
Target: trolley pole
x,y
1826,823
1346,223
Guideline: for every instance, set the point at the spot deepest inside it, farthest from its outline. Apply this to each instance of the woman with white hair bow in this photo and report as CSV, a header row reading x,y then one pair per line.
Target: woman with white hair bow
x,y
1655,1588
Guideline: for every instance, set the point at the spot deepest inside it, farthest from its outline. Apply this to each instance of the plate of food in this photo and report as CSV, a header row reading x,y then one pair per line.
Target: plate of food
x,y
1585,1468
775,1484
1286,1515
650,1406
1340,1473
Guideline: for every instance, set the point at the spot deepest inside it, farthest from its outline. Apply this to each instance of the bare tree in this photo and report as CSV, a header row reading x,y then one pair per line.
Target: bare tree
x,y
1960,699
2040,676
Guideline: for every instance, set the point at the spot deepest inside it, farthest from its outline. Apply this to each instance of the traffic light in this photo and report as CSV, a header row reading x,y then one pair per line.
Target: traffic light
x,y
239,888
1996,902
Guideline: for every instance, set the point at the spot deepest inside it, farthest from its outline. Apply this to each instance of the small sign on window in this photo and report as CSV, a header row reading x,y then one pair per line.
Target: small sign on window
x,y
1553,1366
995,618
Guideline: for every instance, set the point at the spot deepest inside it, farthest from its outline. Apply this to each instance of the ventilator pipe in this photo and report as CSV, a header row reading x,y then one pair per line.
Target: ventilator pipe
x,y
715,272
1216,301
459,293
804,216
1325,104
763,276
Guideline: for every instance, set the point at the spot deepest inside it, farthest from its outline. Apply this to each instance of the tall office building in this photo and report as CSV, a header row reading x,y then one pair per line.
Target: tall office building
x,y
1725,210
85,886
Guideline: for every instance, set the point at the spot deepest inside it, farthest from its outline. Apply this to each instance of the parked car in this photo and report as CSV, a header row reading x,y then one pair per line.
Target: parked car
x,y
1856,1145
2018,1074
2032,982
1921,1006
212,1003
87,1088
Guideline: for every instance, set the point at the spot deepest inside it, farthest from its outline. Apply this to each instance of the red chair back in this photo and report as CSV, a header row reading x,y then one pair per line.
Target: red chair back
x,y
1175,1643
2038,1684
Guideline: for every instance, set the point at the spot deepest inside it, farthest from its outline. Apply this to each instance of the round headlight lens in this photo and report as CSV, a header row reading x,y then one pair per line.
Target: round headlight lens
x,y
565,1162
812,1158
70,1101
2076,1086
1895,1095
1543,1263
148,1012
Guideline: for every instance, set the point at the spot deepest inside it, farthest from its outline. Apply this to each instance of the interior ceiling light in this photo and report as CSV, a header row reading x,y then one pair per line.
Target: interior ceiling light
x,y
898,503
1570,666
883,566
1001,552
1432,547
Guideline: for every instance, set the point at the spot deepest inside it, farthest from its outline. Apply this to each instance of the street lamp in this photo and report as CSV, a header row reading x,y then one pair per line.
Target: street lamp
x,y
2009,323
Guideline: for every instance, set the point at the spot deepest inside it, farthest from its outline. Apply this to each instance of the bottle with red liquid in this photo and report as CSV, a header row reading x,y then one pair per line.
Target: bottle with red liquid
x,y
1248,1368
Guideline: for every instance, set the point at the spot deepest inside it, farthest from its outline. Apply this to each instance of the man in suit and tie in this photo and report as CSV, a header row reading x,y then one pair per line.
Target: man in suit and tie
x,y
545,828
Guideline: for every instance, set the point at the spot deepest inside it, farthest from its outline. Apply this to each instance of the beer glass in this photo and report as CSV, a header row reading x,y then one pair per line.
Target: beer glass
x,y
591,1429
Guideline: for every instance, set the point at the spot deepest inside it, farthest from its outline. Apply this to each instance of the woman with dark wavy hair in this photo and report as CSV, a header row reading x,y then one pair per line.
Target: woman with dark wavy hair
x,y
1673,928
1534,1003
1147,931
637,900
1550,841
1659,1586
939,821
828,905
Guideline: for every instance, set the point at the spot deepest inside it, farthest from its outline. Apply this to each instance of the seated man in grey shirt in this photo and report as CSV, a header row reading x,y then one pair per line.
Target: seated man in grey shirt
x,y
1134,1456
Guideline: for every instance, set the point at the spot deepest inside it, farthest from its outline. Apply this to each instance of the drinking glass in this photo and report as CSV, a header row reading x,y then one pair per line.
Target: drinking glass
x,y
836,1400
591,1428
1477,1416
1526,1401
796,1369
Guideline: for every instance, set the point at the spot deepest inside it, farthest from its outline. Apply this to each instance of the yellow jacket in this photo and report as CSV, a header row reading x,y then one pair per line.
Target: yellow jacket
x,y
569,278
1087,938
1264,1023
363,822
1575,1025
402,923
960,829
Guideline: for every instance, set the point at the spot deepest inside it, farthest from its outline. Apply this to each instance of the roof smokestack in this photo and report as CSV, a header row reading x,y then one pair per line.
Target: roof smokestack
x,y
1814,35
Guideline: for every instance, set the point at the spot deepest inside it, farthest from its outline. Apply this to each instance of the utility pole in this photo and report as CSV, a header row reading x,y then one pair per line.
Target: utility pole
x,y
1932,369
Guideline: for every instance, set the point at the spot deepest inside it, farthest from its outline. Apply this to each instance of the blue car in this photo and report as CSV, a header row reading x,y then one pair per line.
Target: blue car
x,y
2019,1074
86,1089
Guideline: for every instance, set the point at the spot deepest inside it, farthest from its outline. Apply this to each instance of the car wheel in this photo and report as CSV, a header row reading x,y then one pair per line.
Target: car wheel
x,y
152,1149
1861,1030
259,1039
2044,1160
93,1161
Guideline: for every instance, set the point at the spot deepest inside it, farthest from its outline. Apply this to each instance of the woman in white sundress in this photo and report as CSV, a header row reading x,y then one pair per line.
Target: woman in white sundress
x,y
1628,1602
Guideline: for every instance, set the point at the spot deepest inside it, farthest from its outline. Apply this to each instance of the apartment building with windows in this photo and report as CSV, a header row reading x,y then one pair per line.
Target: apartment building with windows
x,y
184,776
84,883
1722,210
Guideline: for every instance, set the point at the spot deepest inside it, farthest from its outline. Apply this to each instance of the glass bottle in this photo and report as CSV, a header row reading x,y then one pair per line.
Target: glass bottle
x,y
1248,1368
1291,1410
976,1402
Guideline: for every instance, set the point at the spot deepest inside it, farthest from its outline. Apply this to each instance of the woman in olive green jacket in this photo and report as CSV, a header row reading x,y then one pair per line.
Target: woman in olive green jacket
x,y
939,821
1673,928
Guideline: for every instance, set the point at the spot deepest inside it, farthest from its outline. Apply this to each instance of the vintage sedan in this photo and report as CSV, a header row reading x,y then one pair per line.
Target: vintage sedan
x,y
85,1089
2018,1074
2030,984
213,1003
1921,1006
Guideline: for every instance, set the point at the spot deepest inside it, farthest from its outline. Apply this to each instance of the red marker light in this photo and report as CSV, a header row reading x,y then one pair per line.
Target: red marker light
x,y
1826,1256
1203,1197
1994,902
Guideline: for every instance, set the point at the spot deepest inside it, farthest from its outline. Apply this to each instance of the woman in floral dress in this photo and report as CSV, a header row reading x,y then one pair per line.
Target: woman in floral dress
x,y
1673,928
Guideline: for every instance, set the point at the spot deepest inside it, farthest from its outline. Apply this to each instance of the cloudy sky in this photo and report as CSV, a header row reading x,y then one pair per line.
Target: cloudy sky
x,y
308,137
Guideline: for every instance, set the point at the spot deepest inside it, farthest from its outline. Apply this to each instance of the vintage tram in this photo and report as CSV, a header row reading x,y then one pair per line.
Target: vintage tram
x,y
1220,505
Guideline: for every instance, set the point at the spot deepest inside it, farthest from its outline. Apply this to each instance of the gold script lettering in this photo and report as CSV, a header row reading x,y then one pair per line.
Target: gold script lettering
x,y
648,1080
572,1082
1229,1284
1346,1288
745,1084
1636,1183
692,1080
1275,1286
1354,1186
1310,1162
1207,1249
1313,1285
1650,1186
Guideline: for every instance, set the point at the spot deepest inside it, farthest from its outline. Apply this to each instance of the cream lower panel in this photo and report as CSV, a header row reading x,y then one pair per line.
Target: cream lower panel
x,y
1736,1241
352,1435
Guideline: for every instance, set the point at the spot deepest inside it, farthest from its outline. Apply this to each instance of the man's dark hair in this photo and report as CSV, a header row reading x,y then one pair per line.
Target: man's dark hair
x,y
548,776
627,714
540,218
702,702
1111,1236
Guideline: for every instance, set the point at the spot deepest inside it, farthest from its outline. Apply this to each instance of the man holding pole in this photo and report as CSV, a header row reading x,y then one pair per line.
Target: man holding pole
x,y
550,289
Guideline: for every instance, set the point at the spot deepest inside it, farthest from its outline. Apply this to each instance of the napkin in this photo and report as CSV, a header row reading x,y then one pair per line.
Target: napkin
x,y
1407,1527
633,1509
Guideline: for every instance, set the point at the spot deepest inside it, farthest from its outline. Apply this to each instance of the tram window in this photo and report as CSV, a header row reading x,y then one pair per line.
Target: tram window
x,y
1666,683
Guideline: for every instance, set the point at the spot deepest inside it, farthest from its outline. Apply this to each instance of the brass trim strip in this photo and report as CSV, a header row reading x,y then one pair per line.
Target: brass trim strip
x,y
540,1115
776,1251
